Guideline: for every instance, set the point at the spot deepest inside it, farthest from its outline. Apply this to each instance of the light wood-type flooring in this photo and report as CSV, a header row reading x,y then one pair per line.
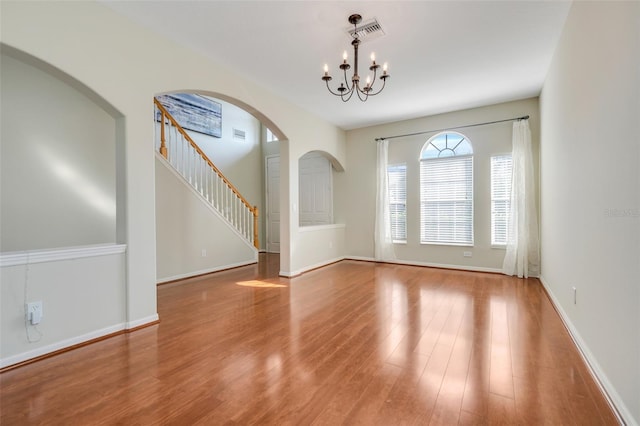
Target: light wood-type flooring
x,y
350,343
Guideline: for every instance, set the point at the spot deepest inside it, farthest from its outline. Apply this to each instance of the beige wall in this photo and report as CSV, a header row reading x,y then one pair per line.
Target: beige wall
x,y
590,190
125,66
191,238
360,181
57,171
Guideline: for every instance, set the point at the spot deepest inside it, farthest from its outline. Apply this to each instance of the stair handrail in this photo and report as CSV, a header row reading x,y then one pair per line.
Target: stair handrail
x,y
163,151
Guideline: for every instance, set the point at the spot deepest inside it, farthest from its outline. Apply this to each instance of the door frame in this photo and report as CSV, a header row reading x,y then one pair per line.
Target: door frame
x,y
267,192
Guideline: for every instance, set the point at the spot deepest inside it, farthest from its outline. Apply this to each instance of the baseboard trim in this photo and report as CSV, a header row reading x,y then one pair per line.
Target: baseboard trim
x,y
288,274
67,345
142,323
309,268
611,395
194,274
428,264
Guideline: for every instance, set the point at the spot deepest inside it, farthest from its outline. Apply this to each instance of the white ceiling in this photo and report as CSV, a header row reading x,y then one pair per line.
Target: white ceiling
x,y
443,55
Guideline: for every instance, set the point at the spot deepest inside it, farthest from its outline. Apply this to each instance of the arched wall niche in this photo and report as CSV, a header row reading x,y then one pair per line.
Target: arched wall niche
x,y
117,142
61,75
338,167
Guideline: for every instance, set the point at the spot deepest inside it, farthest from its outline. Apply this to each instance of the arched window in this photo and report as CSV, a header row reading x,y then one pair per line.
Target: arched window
x,y
446,190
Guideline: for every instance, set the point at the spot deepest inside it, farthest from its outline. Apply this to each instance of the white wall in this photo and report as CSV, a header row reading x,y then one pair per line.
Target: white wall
x,y
302,255
57,171
590,190
360,182
320,245
75,307
126,65
186,226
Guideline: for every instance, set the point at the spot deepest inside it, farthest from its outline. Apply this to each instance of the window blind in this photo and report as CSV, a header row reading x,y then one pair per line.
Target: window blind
x,y
446,201
500,199
398,201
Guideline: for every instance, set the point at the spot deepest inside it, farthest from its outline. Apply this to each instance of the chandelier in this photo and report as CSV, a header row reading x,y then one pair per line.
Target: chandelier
x,y
346,89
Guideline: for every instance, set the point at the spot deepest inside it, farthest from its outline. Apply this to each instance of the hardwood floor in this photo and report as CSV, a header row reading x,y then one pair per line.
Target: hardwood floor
x,y
351,343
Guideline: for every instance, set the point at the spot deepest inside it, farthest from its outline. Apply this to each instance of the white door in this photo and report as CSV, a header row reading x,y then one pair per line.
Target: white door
x,y
273,204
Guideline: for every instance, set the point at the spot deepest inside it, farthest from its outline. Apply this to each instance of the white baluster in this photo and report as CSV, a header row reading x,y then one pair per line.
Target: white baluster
x,y
201,177
229,205
235,215
242,219
246,221
192,166
181,158
206,182
185,158
218,193
170,145
234,210
198,171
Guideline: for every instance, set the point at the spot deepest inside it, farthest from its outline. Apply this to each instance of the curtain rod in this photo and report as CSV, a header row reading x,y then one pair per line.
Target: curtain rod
x,y
524,117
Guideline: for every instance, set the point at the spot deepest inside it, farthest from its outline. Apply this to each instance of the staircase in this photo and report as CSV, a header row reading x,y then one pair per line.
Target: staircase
x,y
186,157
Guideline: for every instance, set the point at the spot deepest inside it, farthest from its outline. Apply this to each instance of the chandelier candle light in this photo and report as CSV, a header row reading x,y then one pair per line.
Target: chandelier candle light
x,y
346,90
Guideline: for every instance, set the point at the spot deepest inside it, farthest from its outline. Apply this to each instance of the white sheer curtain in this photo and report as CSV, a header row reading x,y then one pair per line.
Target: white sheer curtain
x,y
522,257
383,242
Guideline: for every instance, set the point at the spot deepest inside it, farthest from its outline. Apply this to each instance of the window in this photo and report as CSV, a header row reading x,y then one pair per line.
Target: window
x,y
270,136
398,201
500,199
446,190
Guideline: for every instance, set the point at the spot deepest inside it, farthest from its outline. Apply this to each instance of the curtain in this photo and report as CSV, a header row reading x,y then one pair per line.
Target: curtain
x,y
383,243
522,257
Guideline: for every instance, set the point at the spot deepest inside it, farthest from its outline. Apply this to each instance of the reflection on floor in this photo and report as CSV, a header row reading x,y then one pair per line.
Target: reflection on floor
x,y
354,342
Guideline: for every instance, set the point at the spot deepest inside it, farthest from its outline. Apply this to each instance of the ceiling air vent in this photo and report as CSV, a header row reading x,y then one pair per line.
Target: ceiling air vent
x,y
368,31
239,134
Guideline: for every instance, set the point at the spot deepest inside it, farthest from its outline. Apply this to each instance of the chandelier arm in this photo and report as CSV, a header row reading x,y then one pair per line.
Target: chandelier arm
x,y
361,94
384,81
331,91
348,97
373,79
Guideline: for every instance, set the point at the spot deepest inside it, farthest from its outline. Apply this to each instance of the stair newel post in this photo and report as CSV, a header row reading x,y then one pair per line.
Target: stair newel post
x,y
163,146
256,244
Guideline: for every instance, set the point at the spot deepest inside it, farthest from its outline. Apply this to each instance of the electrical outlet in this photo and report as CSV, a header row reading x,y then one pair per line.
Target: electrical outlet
x,y
466,254
34,312
330,244
575,295
204,252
